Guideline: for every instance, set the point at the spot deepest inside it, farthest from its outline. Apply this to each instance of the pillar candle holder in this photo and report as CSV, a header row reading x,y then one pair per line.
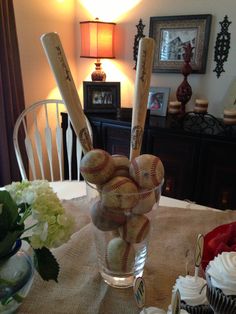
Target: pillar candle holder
x,y
201,106
174,107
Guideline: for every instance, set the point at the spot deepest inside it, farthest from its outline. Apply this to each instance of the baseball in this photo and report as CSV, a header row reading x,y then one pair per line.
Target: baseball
x,y
120,255
119,192
136,229
97,166
122,164
147,171
147,198
106,219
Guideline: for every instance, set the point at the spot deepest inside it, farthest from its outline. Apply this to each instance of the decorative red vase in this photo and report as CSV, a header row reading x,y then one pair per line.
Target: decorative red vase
x,y
184,91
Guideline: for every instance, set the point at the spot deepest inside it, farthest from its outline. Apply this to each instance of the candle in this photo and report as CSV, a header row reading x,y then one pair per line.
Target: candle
x,y
201,105
230,116
174,107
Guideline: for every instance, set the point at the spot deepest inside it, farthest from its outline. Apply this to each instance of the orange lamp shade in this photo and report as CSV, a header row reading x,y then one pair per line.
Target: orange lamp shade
x,y
97,39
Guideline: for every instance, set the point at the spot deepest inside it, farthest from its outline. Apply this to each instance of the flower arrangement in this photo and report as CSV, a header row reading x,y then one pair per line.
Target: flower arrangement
x,y
32,212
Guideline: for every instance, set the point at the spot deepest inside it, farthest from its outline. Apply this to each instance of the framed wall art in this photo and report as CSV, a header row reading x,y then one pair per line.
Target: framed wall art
x,y
158,100
172,33
101,97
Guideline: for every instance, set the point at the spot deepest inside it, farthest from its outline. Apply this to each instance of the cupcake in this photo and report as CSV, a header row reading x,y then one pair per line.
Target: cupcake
x,y
169,311
152,310
193,294
221,282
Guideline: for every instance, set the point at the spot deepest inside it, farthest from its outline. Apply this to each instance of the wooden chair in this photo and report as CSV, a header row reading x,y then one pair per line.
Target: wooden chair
x,y
45,142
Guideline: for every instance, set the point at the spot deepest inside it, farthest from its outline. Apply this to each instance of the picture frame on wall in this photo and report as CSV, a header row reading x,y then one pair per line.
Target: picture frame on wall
x,y
158,99
101,97
172,33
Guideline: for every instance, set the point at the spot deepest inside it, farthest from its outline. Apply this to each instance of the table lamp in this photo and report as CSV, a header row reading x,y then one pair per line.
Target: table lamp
x,y
97,41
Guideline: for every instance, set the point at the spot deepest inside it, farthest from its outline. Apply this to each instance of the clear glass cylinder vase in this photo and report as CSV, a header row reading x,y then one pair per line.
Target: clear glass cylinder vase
x,y
16,277
122,227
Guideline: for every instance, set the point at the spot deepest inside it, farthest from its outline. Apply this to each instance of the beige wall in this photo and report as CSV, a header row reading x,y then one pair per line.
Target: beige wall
x,y
36,17
203,85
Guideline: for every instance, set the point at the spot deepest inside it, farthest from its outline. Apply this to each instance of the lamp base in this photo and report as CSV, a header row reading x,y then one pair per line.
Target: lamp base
x,y
98,75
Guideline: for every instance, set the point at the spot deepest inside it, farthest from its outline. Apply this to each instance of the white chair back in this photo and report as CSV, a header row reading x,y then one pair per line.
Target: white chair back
x,y
44,141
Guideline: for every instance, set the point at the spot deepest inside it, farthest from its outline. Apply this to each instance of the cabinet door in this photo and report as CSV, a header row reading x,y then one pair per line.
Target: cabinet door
x,y
116,139
179,155
217,180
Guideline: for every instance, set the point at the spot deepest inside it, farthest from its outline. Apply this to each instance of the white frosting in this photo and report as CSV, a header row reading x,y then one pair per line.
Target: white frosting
x,y
191,290
169,311
223,272
152,310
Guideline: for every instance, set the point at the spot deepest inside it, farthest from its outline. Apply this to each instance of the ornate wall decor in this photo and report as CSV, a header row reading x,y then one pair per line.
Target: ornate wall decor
x,y
140,27
222,46
184,91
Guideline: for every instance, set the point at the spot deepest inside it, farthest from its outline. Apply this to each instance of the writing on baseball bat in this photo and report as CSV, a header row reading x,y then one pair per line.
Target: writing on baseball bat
x,y
143,71
85,139
136,136
63,64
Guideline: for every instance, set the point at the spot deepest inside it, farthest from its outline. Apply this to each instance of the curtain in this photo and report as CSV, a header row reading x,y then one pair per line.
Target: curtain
x,y
11,92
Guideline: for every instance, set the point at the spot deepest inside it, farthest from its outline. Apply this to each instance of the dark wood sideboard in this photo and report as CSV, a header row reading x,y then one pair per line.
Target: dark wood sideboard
x,y
198,153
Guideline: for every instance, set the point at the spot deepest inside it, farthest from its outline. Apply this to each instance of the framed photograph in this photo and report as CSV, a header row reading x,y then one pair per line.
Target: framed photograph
x,y
101,97
172,33
158,100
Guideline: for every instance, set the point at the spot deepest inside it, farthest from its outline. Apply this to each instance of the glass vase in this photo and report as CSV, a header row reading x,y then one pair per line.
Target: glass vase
x,y
122,233
16,278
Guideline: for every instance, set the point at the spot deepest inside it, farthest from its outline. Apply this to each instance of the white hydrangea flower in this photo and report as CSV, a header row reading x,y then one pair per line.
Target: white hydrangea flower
x,y
53,226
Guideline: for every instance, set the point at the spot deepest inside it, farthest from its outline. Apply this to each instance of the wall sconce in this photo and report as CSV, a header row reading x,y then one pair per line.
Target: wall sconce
x,y
97,41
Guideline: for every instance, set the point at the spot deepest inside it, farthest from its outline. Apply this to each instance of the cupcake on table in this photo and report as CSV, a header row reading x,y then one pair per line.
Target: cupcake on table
x,y
169,311
193,294
152,310
221,281
174,307
192,289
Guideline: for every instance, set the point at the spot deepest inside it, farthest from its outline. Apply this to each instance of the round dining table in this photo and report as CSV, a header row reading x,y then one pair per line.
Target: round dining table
x,y
80,288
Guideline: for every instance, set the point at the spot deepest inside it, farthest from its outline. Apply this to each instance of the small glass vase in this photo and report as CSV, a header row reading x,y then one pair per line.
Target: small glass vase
x,y
16,278
121,235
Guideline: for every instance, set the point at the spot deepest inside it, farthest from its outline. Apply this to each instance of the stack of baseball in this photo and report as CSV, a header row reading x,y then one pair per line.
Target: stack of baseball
x,y
127,192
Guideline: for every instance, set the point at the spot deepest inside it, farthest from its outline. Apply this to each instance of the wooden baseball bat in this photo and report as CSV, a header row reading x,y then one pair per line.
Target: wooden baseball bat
x,y
141,91
60,68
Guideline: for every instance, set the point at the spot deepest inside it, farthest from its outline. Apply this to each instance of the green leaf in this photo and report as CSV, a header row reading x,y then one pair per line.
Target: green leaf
x,y
46,264
10,238
8,214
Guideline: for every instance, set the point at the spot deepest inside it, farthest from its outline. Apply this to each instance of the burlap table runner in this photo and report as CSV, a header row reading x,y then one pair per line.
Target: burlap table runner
x,y
80,288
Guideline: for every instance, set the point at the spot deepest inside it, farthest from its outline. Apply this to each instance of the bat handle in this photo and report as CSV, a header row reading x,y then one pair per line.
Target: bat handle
x,y
141,91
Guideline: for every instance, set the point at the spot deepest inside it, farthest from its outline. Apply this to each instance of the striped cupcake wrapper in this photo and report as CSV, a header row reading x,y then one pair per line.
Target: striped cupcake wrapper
x,y
220,303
